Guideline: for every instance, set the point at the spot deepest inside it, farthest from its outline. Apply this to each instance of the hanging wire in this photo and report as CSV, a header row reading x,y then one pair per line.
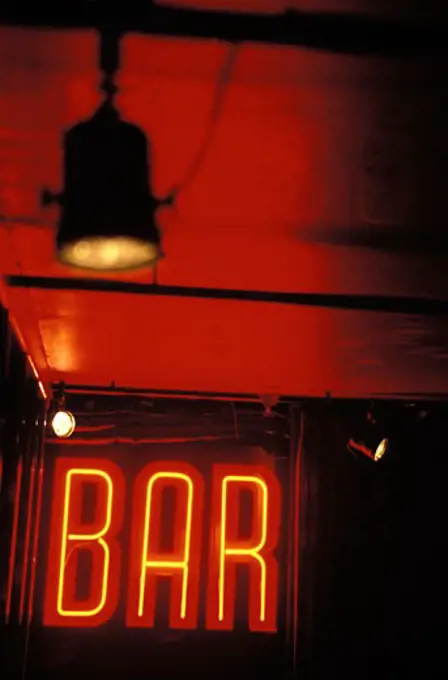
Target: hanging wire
x,y
109,61
215,116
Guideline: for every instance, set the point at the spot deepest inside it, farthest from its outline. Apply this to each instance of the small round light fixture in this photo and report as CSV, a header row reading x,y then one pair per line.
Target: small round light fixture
x,y
372,451
63,424
381,449
369,440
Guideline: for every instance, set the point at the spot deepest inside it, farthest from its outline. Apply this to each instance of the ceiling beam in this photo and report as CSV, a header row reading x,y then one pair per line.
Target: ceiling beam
x,y
335,32
113,391
367,303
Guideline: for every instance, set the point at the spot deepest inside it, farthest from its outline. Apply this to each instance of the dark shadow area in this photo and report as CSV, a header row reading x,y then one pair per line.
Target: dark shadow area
x,y
373,578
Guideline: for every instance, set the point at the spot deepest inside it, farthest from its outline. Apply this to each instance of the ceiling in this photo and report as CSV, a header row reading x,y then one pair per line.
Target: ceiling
x,y
298,153
399,8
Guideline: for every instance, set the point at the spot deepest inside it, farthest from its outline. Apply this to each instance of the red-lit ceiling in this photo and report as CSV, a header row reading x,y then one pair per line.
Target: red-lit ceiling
x,y
378,7
289,158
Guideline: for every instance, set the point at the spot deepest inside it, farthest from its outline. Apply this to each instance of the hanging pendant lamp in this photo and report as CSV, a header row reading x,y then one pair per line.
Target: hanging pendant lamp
x,y
107,219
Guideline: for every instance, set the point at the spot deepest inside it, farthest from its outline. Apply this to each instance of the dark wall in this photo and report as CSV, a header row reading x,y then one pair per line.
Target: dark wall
x,y
22,417
374,536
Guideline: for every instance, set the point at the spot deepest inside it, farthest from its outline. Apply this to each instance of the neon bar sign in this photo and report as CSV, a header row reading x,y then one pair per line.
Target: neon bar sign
x,y
99,535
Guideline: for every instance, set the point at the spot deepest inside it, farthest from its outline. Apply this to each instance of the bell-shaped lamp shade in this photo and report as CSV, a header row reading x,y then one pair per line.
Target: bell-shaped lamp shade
x,y
107,222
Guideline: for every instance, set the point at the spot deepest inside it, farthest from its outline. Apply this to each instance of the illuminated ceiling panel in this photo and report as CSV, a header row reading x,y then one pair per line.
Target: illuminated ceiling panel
x,y
294,161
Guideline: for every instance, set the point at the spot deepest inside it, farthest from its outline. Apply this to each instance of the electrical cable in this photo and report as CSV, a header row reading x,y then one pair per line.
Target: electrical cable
x,y
215,116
